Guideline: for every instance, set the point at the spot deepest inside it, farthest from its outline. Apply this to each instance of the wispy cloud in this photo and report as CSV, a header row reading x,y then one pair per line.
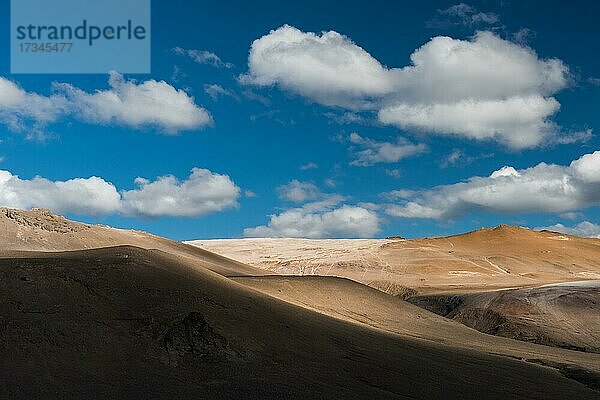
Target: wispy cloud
x,y
373,152
307,166
462,15
594,81
203,57
216,91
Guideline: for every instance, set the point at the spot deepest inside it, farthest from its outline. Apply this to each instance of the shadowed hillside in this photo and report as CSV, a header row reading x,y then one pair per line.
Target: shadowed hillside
x,y
564,315
167,320
129,323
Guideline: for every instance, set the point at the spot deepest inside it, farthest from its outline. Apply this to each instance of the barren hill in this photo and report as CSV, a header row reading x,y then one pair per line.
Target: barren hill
x,y
501,257
132,323
564,314
41,230
150,318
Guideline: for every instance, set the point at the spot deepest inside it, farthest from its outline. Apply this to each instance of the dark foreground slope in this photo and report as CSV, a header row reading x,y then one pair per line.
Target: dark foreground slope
x,y
130,323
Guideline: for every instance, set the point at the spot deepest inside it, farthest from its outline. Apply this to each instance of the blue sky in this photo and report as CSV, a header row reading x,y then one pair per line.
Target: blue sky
x,y
325,127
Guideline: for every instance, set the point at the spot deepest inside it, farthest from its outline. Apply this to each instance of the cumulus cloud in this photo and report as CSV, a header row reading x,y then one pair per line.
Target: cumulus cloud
x,y
20,109
518,122
203,192
482,88
92,196
584,229
203,57
374,152
328,68
150,103
542,188
325,219
298,192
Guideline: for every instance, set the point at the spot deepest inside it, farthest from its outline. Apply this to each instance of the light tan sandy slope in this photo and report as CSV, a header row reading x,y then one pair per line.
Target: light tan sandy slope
x,y
353,302
494,258
40,230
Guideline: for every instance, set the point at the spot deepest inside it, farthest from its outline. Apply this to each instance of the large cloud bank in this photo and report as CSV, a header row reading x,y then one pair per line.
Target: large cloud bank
x,y
482,88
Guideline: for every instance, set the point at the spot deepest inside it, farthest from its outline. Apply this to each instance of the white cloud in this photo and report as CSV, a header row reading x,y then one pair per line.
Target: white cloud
x,y
150,103
128,103
542,188
328,68
482,88
320,220
202,193
584,229
572,215
298,192
203,57
374,152
92,196
587,167
518,122
19,108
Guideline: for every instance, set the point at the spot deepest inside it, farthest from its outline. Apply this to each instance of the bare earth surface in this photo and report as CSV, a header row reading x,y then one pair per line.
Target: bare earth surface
x,y
151,318
40,230
486,259
564,315
467,277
